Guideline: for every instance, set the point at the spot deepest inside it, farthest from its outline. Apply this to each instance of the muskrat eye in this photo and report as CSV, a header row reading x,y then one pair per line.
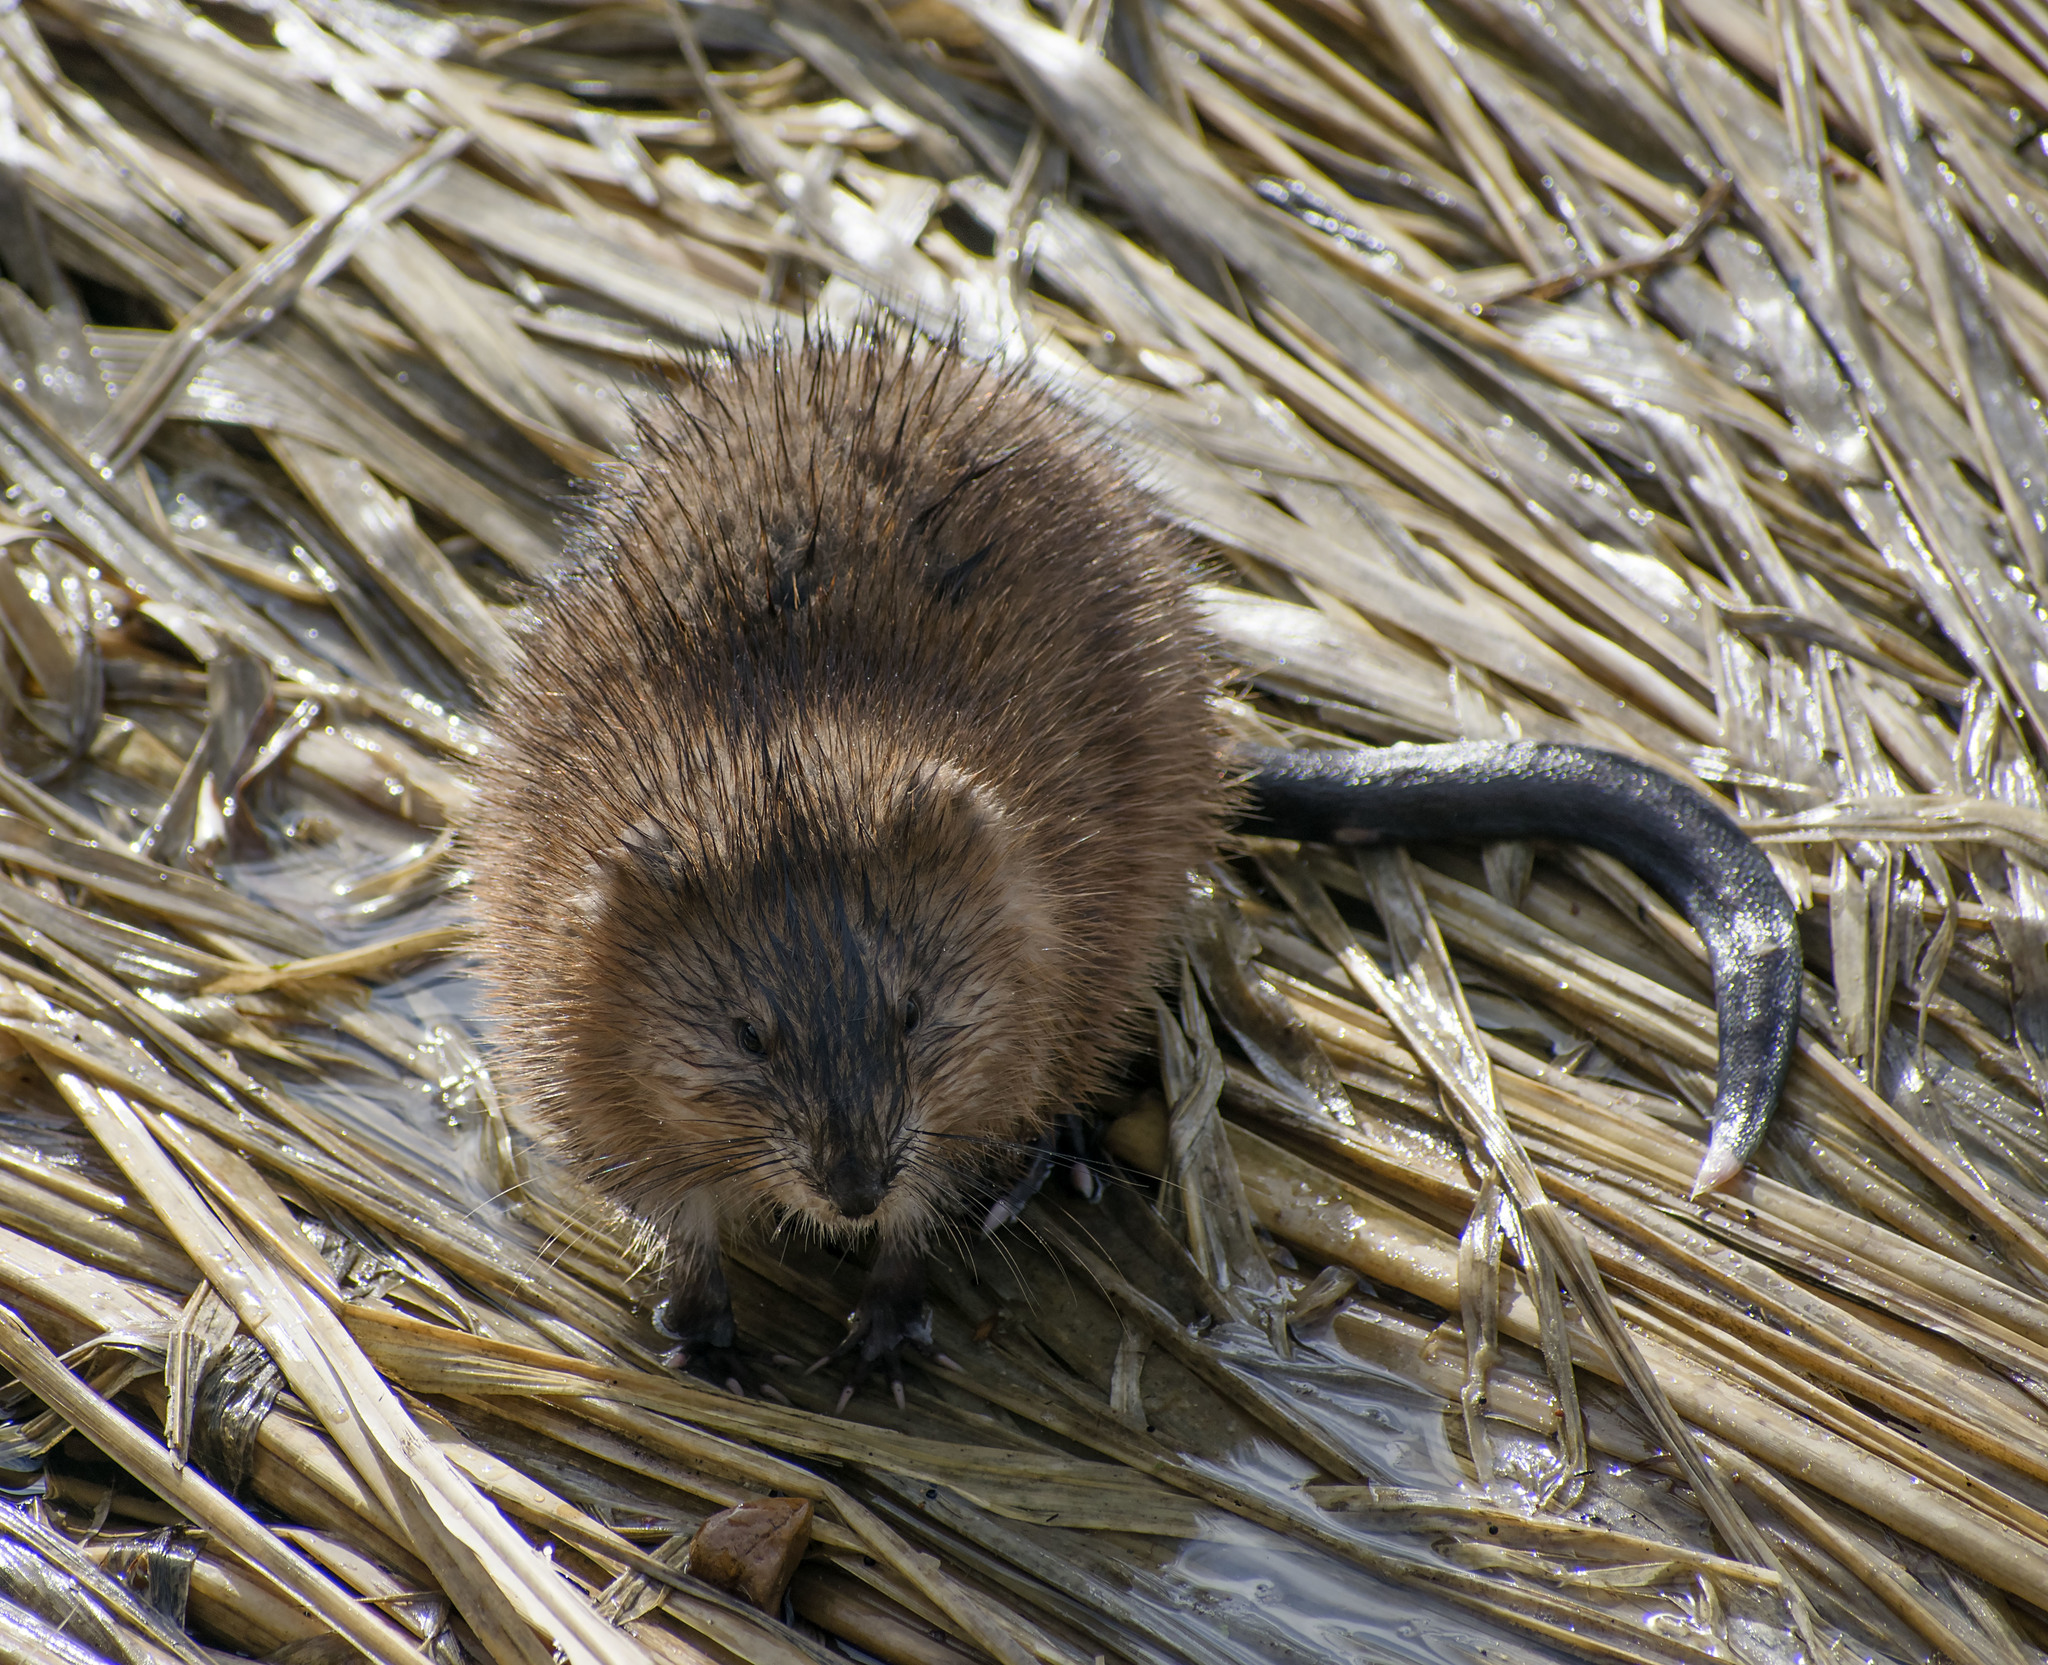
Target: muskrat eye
x,y
749,1038
913,1014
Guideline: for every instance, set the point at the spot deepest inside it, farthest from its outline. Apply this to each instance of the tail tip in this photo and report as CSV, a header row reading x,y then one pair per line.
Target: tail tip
x,y
1727,1152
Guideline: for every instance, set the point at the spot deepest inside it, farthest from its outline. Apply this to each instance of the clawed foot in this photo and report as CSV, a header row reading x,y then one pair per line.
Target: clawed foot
x,y
703,1341
879,1339
697,1317
1069,1145
720,1366
891,1316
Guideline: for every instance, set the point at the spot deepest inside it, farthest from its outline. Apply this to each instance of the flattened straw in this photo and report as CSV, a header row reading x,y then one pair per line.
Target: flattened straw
x,y
1692,510
1422,996
250,298
503,1588
192,1495
1426,52
1302,1205
348,962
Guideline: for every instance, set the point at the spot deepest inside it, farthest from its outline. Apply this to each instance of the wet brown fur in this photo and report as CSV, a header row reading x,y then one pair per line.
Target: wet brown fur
x,y
871,678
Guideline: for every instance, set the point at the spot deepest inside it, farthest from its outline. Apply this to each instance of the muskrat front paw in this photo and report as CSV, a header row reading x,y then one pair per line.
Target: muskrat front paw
x,y
697,1317
876,1334
720,1366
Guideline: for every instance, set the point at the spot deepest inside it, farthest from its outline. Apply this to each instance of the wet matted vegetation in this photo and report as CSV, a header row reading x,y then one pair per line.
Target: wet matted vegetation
x,y
1664,377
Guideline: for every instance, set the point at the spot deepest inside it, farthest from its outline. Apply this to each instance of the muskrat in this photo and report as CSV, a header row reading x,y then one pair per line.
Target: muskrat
x,y
842,808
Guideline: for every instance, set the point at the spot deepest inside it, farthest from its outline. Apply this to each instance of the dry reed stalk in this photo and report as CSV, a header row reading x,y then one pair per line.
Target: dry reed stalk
x,y
1665,379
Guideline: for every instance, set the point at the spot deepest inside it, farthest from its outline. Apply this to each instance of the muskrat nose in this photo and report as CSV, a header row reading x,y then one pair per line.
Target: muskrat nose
x,y
854,1189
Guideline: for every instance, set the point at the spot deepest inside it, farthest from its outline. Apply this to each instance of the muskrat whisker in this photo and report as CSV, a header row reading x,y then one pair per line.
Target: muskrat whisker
x,y
628,1168
557,1241
994,1141
1007,1254
655,1159
724,1169
680,1173
496,1196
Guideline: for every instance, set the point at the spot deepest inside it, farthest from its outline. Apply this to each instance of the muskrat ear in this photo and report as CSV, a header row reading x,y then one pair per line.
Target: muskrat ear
x,y
648,842
947,814
646,846
943,791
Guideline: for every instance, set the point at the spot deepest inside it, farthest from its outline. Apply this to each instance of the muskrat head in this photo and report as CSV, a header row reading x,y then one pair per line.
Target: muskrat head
x,y
836,1013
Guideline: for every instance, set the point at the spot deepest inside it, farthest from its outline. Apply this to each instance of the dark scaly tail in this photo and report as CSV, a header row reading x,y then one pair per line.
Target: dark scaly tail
x,y
1694,855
